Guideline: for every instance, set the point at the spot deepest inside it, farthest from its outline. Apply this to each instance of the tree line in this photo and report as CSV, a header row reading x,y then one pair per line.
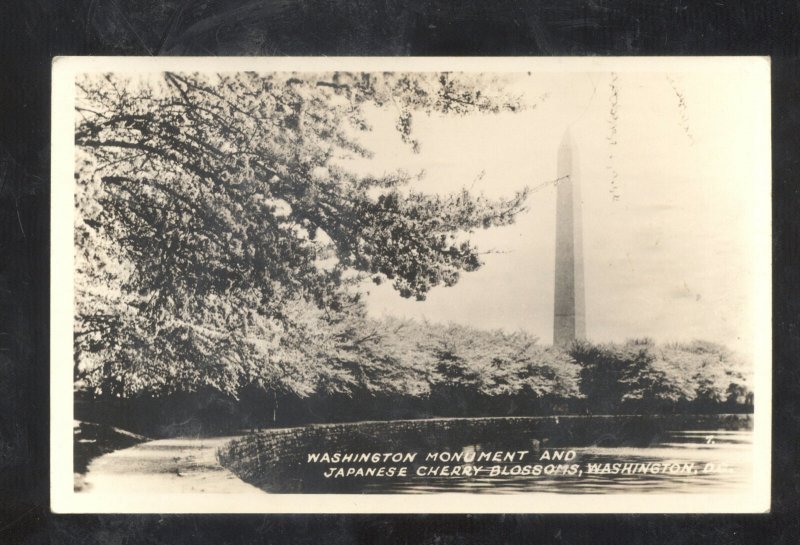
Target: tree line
x,y
415,369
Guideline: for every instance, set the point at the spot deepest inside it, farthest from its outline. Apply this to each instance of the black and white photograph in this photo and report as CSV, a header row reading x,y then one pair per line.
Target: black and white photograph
x,y
411,285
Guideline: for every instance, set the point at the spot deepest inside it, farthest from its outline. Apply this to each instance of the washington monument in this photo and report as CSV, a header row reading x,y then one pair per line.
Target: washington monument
x,y
569,316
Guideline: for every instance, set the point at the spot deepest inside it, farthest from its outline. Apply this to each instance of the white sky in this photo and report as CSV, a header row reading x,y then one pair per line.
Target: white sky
x,y
672,258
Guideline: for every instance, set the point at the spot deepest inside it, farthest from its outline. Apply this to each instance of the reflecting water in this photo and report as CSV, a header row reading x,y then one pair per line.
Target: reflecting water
x,y
645,459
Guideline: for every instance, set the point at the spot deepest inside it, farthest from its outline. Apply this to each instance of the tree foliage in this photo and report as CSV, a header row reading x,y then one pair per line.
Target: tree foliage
x,y
221,236
417,358
496,363
639,375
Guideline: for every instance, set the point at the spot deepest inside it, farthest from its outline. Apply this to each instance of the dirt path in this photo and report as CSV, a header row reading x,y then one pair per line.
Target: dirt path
x,y
164,466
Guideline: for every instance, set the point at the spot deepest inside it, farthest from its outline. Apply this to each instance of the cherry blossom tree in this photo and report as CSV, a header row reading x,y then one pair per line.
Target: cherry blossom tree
x,y
221,238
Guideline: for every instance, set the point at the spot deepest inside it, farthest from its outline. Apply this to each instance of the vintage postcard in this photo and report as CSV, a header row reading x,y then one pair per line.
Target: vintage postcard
x,y
420,285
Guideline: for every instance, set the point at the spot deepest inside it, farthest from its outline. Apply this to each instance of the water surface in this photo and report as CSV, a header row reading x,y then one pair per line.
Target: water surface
x,y
571,455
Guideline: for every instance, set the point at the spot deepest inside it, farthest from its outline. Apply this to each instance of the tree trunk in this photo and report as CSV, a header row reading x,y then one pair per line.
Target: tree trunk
x,y
274,406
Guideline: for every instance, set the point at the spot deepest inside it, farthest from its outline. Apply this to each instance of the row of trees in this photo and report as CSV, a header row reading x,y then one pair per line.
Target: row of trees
x,y
413,369
640,376
429,370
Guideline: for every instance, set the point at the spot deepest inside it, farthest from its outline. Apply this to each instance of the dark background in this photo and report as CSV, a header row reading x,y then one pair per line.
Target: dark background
x,y
33,31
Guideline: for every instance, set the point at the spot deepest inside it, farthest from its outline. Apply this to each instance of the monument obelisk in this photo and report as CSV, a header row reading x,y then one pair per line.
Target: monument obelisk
x,y
569,317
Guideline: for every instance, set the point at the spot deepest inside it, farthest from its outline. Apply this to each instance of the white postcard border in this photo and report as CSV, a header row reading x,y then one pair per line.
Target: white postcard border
x,y
65,500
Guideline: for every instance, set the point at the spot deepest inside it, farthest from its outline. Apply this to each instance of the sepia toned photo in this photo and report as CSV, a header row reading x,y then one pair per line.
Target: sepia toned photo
x,y
411,285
